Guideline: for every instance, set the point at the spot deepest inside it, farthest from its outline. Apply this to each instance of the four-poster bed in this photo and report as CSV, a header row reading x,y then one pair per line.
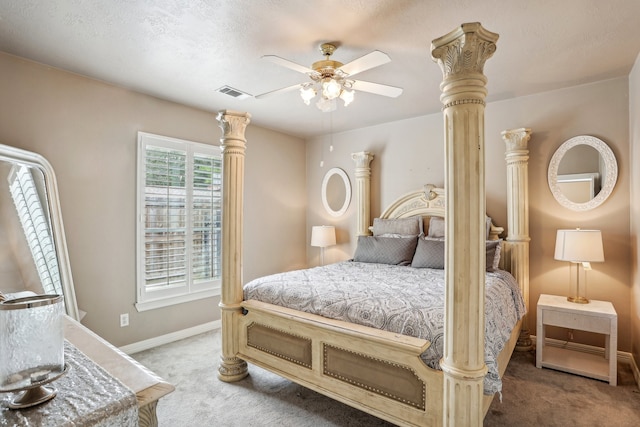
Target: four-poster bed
x,y
378,371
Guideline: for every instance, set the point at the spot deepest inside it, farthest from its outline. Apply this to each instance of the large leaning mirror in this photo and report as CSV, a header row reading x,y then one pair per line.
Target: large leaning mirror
x,y
582,173
336,192
33,249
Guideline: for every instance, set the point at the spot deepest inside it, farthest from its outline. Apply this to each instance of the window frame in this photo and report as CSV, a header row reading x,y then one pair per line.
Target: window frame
x,y
190,290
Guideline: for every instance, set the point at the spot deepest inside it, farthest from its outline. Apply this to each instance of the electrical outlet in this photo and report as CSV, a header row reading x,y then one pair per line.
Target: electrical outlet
x,y
124,320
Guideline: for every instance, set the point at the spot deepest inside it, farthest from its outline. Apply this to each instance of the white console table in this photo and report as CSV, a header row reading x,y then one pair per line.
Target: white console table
x,y
596,316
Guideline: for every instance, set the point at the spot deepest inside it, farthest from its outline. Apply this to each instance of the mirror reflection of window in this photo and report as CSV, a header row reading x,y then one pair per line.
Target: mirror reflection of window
x,y
35,226
580,169
579,188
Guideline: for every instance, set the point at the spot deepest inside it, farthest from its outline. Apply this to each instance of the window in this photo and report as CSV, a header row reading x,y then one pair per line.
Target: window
x,y
179,229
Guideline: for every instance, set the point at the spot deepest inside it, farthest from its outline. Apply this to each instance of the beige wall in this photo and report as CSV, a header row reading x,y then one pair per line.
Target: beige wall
x,y
87,130
634,130
410,153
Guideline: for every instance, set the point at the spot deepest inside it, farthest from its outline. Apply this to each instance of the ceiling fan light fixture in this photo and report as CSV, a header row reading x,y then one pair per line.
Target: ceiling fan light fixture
x,y
326,105
332,79
347,96
307,92
330,88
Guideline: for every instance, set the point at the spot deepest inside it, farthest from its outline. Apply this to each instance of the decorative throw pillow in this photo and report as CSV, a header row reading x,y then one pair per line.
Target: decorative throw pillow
x,y
487,221
436,227
385,250
393,227
429,254
493,254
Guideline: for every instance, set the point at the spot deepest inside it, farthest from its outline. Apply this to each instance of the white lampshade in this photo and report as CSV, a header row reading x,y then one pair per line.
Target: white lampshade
x,y
323,236
579,246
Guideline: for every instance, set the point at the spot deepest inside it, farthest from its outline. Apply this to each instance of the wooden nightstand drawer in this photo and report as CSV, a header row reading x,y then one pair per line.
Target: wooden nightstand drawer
x,y
601,325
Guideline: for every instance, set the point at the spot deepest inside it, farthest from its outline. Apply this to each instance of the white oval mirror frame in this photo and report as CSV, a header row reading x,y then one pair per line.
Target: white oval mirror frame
x,y
347,191
608,181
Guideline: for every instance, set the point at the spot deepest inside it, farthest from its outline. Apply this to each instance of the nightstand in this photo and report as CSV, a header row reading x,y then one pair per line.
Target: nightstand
x,y
596,316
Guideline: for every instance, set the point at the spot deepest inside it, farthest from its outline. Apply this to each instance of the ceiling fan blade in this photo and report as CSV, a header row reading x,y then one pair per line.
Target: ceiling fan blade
x,y
378,89
288,64
370,60
279,91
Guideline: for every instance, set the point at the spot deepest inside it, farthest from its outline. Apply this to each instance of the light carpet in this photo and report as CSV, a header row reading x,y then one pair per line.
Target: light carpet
x,y
531,396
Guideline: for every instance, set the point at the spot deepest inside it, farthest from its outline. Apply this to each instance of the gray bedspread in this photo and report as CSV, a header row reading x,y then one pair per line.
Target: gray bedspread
x,y
399,299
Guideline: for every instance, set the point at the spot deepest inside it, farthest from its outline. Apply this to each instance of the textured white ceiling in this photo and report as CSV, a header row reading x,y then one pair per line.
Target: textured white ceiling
x,y
183,50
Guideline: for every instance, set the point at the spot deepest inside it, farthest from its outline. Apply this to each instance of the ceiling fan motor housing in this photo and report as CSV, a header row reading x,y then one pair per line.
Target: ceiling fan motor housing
x,y
326,68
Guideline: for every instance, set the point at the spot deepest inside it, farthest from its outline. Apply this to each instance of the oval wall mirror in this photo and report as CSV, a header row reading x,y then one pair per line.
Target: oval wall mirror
x,y
582,173
336,191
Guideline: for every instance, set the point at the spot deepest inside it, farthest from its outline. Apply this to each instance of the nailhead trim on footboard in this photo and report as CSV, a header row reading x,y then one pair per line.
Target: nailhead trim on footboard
x,y
284,345
388,379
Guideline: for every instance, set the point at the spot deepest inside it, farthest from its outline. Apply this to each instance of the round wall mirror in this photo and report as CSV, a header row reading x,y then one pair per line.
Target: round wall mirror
x,y
582,173
336,191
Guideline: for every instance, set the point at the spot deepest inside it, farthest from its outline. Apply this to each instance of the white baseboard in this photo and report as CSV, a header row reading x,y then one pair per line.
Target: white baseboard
x,y
168,338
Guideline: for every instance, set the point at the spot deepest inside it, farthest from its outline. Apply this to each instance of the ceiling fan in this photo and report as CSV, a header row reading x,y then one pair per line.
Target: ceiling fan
x,y
332,79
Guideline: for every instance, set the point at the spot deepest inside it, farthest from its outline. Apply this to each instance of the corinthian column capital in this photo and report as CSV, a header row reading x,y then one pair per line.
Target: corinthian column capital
x,y
233,124
516,139
362,159
464,50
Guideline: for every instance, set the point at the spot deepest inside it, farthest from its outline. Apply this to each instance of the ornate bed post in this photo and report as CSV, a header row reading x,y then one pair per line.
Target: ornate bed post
x,y
517,248
461,55
363,191
233,144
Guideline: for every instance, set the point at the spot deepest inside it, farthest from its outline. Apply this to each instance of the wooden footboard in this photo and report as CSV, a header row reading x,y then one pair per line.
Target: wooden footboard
x,y
376,371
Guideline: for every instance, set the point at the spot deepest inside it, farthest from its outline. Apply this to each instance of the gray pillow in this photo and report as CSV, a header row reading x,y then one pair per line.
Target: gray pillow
x,y
397,226
436,226
429,254
487,222
385,250
493,254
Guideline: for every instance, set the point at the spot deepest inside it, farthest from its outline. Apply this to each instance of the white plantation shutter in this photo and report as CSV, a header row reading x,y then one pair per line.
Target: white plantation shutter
x,y
179,190
206,214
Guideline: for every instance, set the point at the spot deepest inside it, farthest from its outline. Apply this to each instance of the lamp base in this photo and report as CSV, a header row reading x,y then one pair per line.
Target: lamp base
x,y
578,300
32,397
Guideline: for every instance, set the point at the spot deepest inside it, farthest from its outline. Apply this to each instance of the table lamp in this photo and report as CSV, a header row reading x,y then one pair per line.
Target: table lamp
x,y
579,247
323,236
